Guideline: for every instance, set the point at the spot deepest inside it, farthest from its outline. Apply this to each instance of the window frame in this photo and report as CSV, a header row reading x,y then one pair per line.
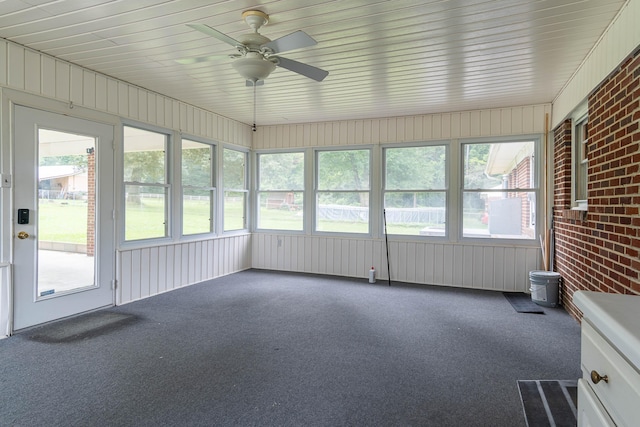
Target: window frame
x,y
316,191
167,185
258,191
446,189
213,163
536,182
579,157
246,191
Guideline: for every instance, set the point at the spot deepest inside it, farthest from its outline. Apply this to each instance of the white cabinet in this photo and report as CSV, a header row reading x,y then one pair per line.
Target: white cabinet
x,y
609,391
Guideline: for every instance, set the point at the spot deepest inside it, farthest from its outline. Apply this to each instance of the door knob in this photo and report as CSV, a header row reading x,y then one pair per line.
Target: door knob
x,y
23,235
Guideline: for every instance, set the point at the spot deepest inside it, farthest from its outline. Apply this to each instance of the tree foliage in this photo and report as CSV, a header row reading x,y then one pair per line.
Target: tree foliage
x,y
234,169
281,171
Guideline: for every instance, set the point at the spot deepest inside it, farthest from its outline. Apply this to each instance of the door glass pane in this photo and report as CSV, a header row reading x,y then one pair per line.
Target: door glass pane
x,y
66,212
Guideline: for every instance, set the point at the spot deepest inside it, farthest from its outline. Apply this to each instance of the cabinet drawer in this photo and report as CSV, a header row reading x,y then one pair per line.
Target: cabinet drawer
x,y
620,394
590,410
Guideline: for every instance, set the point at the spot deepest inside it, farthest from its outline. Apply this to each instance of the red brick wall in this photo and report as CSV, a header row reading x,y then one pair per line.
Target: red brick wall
x,y
600,250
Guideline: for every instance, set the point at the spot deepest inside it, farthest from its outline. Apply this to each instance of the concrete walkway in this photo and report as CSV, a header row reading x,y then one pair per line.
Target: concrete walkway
x,y
63,271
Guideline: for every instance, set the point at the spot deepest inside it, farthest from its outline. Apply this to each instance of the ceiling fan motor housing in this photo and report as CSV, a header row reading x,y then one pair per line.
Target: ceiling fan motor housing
x,y
253,66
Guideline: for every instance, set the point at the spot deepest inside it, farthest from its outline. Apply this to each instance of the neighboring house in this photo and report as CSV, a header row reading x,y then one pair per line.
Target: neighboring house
x,y
62,182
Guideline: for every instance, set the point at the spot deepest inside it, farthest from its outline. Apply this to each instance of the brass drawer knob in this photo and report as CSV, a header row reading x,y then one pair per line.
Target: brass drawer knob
x,y
596,377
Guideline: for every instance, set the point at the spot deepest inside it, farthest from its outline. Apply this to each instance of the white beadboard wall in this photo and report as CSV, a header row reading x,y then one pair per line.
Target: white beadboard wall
x,y
509,121
144,272
36,73
460,265
619,40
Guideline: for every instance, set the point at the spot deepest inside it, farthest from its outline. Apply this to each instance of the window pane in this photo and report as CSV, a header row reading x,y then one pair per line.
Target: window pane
x,y
416,213
498,165
234,169
197,211
144,156
145,212
196,164
234,210
235,202
503,215
343,170
281,211
415,168
282,171
580,158
345,212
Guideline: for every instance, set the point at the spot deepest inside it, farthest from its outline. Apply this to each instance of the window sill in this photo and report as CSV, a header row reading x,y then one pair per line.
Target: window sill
x,y
581,205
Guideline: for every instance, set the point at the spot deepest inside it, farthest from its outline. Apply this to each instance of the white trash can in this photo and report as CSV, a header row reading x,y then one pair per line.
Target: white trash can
x,y
545,287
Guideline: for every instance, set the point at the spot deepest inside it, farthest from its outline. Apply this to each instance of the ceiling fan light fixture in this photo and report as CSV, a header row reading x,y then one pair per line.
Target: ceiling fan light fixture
x,y
253,68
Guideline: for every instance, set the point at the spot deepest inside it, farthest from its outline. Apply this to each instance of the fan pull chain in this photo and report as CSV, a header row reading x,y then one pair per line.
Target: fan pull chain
x,y
255,84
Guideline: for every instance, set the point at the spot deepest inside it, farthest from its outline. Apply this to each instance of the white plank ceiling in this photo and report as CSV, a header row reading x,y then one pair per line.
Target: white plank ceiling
x,y
385,58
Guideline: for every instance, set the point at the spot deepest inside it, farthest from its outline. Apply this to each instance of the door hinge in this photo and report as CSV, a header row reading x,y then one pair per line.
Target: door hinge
x,y
114,284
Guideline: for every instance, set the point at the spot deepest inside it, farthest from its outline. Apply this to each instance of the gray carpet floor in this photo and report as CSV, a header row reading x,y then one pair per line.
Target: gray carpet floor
x,y
261,348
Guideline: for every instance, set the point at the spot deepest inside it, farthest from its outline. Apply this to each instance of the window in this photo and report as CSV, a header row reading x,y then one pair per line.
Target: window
x,y
146,185
281,191
499,191
198,191
580,161
234,175
415,195
342,191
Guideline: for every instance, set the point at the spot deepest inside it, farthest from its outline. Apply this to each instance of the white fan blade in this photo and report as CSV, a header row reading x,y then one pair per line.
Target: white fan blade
x,y
306,70
208,58
296,40
215,33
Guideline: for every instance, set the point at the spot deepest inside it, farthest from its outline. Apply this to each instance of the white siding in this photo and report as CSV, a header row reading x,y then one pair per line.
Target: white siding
x,y
145,272
500,268
619,40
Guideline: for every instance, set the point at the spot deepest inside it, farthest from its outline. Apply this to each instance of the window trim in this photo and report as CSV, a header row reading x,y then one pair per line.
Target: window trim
x,y
314,199
256,193
537,140
213,187
247,174
580,118
447,190
168,185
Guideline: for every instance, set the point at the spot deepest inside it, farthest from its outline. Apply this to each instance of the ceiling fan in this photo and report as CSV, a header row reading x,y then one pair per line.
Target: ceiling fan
x,y
258,55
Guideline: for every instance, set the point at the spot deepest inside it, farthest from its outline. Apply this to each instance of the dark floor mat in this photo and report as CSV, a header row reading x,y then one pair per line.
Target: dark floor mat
x,y
549,403
522,303
81,327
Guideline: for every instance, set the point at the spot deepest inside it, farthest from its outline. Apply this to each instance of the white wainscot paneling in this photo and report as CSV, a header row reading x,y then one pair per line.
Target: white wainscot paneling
x,y
500,268
149,271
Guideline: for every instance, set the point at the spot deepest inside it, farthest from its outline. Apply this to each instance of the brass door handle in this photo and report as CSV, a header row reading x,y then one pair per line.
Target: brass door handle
x,y
596,377
23,235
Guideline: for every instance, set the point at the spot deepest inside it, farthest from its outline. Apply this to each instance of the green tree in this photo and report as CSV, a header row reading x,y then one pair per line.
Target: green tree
x,y
196,168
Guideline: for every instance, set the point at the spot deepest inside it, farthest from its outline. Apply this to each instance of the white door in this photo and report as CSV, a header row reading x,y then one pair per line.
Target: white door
x,y
63,223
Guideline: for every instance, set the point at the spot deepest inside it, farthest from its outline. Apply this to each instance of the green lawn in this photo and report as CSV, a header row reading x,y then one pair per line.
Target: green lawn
x,y
65,221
